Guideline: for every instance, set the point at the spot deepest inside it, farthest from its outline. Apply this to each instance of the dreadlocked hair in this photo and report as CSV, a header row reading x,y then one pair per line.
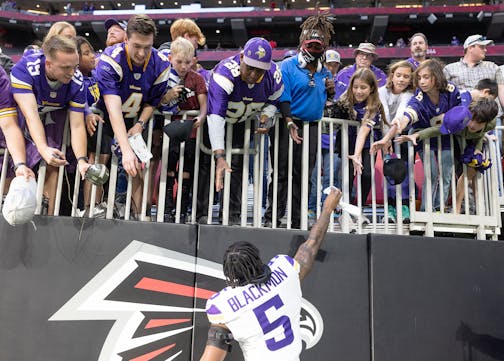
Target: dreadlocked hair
x,y
320,23
242,265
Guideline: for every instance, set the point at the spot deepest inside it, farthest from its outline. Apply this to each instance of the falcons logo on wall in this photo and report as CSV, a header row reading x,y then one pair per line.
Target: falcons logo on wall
x,y
149,291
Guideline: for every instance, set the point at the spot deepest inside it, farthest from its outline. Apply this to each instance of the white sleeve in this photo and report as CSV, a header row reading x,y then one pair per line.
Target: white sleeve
x,y
216,131
403,103
383,92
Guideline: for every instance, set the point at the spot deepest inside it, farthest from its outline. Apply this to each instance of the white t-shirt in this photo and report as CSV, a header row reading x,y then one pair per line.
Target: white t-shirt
x,y
393,104
264,318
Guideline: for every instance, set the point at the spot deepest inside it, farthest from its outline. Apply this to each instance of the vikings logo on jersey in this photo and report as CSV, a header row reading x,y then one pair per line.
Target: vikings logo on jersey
x,y
149,292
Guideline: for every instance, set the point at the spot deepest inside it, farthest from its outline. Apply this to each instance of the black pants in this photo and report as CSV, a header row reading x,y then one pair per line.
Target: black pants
x,y
236,175
282,169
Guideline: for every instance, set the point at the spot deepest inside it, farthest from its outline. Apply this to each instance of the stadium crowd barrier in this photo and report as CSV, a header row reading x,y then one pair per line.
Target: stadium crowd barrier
x,y
483,220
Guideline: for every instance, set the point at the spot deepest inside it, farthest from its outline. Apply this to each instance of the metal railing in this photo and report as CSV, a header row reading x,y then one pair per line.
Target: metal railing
x,y
488,195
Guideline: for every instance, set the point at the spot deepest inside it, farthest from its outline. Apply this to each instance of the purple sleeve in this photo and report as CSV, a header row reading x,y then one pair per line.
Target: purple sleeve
x,y
108,79
220,86
78,101
23,74
162,68
7,104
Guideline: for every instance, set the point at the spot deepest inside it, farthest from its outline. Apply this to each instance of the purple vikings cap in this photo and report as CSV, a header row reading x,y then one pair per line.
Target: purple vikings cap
x,y
257,53
455,120
111,22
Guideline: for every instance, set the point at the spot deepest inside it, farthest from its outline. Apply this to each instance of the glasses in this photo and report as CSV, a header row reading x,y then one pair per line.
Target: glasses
x,y
364,55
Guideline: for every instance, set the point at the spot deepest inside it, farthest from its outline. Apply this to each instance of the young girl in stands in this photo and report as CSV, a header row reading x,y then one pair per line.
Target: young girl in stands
x,y
433,97
394,97
87,66
360,102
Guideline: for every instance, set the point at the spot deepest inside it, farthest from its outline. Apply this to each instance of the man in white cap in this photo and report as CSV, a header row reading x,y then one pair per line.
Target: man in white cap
x,y
365,55
471,68
116,31
333,61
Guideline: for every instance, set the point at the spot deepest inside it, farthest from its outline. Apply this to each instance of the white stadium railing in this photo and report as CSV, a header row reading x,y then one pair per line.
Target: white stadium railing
x,y
483,220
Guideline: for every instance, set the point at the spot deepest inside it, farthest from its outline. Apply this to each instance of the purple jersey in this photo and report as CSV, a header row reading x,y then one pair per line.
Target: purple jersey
x,y
136,86
53,101
343,78
28,76
7,104
422,113
233,99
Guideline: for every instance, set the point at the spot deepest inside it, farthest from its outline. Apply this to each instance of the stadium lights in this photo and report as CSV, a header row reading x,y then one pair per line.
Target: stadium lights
x,y
413,16
268,20
364,17
298,19
220,20
161,4
448,16
432,18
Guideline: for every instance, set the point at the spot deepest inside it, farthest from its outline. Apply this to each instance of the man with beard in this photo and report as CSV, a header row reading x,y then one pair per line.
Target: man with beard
x,y
418,47
116,32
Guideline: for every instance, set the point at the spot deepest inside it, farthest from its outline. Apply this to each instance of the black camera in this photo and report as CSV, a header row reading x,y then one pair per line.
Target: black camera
x,y
184,95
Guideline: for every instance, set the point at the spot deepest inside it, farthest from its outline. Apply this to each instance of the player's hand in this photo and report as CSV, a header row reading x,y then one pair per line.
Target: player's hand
x,y
357,163
293,129
130,162
332,199
83,167
407,138
172,94
24,171
380,145
220,169
92,123
54,157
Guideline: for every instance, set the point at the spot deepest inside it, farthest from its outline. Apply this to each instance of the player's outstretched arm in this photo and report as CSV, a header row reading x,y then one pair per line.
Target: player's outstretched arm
x,y
218,343
306,253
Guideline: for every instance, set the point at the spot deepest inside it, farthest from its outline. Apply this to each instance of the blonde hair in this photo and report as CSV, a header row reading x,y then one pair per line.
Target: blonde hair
x,y
373,103
392,69
58,43
183,47
187,26
57,28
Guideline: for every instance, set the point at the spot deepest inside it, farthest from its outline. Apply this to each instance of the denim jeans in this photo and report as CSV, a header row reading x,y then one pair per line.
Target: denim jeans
x,y
447,173
326,163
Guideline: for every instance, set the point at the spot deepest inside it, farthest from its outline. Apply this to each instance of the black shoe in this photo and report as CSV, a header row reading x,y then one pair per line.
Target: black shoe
x,y
234,221
169,217
269,224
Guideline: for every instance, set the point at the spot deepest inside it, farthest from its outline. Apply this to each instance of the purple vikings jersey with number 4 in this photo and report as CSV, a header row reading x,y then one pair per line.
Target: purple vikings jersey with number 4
x,y
264,318
233,99
136,86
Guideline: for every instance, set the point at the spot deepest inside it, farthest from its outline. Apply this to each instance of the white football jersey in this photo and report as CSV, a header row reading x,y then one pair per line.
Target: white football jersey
x,y
264,318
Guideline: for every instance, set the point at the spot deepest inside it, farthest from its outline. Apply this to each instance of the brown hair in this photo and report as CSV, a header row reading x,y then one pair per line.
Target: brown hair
x,y
435,67
392,69
373,103
58,43
141,24
422,35
484,110
187,26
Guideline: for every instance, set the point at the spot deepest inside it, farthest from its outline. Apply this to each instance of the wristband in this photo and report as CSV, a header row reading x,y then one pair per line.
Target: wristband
x,y
84,158
289,124
143,124
217,156
17,165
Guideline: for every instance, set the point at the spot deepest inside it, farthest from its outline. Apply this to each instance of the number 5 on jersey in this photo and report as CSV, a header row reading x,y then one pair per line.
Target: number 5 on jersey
x,y
268,326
